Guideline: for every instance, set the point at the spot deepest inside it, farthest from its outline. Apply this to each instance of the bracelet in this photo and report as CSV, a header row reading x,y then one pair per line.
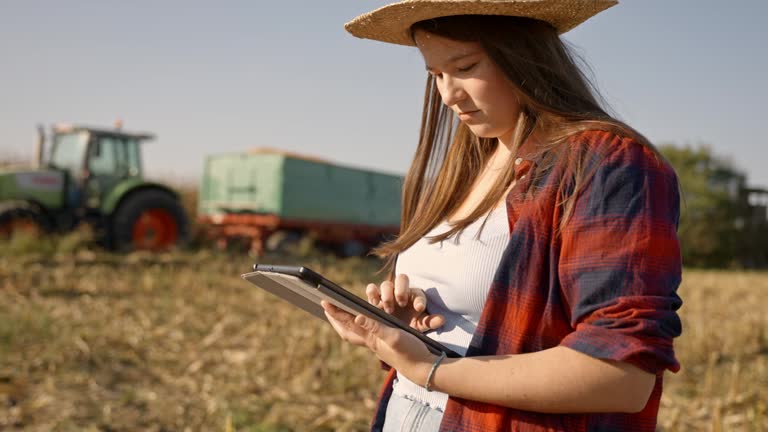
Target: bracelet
x,y
432,371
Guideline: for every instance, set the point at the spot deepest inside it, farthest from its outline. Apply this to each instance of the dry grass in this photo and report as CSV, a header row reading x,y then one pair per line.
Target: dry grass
x,y
723,385
177,342
92,342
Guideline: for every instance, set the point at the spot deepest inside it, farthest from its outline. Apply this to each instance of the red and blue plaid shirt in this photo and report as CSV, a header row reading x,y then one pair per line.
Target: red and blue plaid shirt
x,y
605,285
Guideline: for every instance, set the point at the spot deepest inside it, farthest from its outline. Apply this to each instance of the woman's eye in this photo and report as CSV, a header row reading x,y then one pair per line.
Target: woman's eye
x,y
467,68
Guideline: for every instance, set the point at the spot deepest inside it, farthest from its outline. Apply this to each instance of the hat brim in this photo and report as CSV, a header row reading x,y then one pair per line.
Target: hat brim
x,y
392,23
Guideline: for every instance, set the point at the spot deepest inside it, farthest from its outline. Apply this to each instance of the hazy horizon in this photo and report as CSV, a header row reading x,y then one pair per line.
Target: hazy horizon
x,y
228,77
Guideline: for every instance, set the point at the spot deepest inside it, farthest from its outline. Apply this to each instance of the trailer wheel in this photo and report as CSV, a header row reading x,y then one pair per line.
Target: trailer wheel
x,y
22,218
149,220
284,241
352,248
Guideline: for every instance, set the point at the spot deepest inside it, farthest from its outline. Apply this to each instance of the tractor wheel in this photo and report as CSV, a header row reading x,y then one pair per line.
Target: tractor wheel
x,y
21,218
149,220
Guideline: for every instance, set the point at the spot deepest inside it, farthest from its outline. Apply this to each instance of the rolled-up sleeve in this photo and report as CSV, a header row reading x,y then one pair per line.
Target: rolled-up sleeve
x,y
619,262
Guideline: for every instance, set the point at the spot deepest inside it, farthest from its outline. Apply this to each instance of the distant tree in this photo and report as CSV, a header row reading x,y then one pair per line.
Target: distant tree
x,y
714,209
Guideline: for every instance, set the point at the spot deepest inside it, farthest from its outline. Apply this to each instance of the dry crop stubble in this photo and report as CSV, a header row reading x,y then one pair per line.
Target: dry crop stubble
x,y
93,341
140,342
723,385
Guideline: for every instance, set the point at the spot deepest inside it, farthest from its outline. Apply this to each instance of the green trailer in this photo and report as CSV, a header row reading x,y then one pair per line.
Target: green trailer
x,y
269,194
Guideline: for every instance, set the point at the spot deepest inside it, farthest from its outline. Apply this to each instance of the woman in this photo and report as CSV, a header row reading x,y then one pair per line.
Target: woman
x,y
538,235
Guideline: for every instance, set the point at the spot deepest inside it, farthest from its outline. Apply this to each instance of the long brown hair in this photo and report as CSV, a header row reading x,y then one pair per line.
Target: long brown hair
x,y
556,101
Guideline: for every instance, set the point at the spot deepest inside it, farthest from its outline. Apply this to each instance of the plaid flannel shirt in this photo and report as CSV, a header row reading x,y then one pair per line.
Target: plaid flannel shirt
x,y
605,285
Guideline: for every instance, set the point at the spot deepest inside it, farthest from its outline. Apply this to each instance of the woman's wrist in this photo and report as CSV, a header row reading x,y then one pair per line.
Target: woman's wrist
x,y
418,372
432,370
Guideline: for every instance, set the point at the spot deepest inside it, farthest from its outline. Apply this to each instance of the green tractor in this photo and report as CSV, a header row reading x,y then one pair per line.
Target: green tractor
x,y
92,176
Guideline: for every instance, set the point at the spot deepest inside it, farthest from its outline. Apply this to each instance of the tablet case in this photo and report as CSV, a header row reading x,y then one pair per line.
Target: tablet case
x,y
305,289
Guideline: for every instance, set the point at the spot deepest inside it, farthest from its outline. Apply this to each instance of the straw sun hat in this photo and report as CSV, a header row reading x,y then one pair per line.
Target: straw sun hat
x,y
392,23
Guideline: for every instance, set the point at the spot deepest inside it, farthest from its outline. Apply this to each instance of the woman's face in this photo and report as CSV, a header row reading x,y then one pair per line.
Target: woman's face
x,y
471,84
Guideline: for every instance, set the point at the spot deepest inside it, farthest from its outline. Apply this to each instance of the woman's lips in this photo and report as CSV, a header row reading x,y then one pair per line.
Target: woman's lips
x,y
468,114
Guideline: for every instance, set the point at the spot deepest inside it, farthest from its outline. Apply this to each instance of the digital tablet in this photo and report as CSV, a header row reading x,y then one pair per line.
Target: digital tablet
x,y
305,288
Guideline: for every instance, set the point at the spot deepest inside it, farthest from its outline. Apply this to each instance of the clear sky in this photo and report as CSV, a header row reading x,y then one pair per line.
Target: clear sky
x,y
210,77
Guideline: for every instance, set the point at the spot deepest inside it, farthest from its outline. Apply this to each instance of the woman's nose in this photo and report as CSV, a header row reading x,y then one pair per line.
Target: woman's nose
x,y
451,91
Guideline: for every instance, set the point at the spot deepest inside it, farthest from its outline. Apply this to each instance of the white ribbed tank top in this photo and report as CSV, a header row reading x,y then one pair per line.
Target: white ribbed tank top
x,y
456,275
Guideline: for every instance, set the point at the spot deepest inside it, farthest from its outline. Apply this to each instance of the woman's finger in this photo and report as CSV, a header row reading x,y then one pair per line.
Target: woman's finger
x,y
419,299
344,324
402,285
388,296
336,326
373,293
429,322
343,317
381,332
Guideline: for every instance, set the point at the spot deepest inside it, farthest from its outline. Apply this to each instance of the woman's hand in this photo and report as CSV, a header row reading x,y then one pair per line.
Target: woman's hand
x,y
399,349
407,303
394,347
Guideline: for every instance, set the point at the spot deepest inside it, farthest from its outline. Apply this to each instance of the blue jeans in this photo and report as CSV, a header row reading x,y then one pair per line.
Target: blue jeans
x,y
405,415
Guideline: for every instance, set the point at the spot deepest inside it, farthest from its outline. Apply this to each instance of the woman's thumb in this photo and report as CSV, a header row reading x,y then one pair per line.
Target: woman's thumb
x,y
376,328
370,325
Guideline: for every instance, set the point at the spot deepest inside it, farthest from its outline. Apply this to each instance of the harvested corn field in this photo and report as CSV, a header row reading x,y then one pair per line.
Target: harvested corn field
x,y
178,342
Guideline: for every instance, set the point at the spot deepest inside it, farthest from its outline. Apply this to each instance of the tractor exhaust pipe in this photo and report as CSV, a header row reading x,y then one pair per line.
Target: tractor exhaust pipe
x,y
39,147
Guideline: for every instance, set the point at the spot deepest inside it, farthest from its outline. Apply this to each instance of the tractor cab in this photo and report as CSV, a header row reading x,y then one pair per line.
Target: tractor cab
x,y
95,160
